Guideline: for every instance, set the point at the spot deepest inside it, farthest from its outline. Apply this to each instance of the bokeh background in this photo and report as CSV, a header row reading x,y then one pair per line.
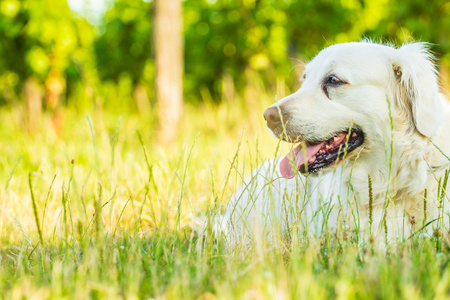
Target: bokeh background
x,y
85,84
123,121
81,53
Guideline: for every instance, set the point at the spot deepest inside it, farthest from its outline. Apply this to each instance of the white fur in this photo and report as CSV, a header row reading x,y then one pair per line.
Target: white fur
x,y
269,205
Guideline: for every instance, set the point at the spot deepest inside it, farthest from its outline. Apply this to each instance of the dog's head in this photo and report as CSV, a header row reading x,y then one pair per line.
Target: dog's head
x,y
345,101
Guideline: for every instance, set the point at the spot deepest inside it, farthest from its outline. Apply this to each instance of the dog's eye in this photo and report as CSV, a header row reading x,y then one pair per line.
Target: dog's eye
x,y
333,79
330,82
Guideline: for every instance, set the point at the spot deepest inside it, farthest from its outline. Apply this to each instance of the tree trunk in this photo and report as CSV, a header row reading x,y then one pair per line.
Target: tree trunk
x,y
168,42
32,93
141,98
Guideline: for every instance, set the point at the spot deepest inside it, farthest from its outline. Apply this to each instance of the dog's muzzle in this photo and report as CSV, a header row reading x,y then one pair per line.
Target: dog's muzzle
x,y
273,118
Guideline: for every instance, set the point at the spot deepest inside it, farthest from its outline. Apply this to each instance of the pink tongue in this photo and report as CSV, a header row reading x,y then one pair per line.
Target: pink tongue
x,y
296,159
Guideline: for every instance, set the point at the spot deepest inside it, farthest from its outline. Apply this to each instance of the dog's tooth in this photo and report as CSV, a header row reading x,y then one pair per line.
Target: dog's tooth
x,y
335,139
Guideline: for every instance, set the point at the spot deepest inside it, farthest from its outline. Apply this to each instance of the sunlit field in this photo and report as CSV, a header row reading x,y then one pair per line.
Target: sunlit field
x,y
97,194
93,207
95,203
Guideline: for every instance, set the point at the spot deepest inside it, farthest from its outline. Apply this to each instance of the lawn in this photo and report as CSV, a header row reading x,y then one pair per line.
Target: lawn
x,y
93,207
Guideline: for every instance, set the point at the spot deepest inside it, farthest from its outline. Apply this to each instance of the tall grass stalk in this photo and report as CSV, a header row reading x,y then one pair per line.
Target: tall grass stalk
x,y
94,143
389,157
64,206
149,180
369,180
425,194
183,181
47,198
98,213
441,195
12,172
35,209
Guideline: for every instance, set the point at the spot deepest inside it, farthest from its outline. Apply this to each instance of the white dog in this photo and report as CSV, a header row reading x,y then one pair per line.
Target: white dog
x,y
363,110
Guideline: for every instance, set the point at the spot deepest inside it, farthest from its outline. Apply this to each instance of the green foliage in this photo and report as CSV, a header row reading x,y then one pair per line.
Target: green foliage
x,y
37,36
124,46
227,43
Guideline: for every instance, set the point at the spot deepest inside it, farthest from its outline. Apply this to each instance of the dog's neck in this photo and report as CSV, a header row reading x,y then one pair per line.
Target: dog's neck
x,y
399,174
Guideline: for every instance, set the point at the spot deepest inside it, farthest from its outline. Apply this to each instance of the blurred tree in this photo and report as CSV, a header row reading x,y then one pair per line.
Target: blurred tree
x,y
426,21
168,41
234,38
40,39
313,24
123,50
232,47
245,40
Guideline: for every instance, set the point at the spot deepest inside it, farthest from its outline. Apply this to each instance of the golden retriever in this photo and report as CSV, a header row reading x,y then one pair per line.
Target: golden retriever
x,y
370,131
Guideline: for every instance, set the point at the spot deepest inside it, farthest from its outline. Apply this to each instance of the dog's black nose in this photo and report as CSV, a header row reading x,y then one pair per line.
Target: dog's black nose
x,y
272,116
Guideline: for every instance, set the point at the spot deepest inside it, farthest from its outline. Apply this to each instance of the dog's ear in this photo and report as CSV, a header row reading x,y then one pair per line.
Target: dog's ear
x,y
417,88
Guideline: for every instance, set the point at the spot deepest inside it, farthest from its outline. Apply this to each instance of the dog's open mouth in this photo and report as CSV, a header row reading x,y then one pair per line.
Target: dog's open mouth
x,y
315,157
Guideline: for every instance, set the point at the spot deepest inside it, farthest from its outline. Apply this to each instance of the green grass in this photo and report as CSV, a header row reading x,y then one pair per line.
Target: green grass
x,y
97,209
